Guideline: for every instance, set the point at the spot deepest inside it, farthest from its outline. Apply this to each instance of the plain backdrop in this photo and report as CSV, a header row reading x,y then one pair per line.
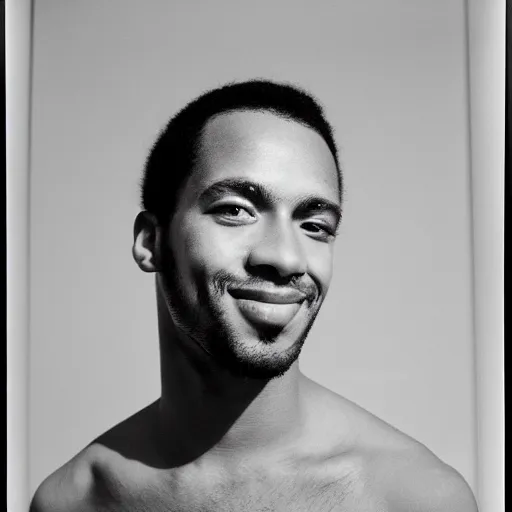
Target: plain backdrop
x,y
395,333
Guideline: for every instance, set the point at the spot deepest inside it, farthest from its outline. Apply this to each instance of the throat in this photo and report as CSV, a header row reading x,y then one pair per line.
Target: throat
x,y
221,416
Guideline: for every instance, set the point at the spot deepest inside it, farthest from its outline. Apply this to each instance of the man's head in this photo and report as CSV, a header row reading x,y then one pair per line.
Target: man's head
x,y
242,196
174,154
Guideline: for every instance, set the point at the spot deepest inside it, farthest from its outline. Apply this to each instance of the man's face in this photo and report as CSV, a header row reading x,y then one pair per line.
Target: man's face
x,y
247,259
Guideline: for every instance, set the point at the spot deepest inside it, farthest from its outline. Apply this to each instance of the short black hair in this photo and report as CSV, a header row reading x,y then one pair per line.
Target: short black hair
x,y
174,154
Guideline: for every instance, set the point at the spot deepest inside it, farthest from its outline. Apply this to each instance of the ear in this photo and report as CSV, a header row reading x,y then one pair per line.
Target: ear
x,y
147,235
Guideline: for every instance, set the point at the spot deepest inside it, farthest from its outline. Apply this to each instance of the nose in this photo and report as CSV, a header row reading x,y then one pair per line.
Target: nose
x,y
278,251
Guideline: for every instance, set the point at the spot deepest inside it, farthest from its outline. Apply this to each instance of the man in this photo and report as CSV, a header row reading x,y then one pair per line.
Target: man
x,y
242,196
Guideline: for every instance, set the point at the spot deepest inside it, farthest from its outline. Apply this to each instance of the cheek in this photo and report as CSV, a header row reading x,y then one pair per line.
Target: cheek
x,y
320,260
201,248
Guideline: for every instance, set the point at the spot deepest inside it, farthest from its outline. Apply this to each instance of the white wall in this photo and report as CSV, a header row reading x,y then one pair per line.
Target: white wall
x,y
395,334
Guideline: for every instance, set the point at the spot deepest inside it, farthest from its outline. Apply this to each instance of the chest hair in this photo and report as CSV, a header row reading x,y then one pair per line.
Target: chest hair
x,y
255,491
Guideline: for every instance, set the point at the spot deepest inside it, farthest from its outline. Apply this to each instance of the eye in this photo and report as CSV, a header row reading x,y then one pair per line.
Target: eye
x,y
319,231
232,214
230,210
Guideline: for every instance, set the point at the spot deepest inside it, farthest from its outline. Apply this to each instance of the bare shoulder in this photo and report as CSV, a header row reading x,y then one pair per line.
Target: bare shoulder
x,y
415,480
103,463
396,468
69,487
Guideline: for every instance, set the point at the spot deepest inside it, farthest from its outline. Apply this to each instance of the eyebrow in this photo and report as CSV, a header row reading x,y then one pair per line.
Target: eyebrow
x,y
248,189
261,196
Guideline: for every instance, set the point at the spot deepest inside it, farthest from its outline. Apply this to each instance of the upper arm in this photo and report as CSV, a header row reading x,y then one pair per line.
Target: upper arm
x,y
43,500
65,490
433,490
46,498
459,499
451,493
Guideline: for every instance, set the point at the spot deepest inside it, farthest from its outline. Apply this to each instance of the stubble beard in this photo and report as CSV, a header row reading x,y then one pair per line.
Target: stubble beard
x,y
211,330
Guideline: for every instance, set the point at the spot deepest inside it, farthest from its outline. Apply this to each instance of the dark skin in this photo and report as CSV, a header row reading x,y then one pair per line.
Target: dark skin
x,y
262,207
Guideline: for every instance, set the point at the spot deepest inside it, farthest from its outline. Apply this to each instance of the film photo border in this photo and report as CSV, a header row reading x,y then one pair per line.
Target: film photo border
x,y
486,54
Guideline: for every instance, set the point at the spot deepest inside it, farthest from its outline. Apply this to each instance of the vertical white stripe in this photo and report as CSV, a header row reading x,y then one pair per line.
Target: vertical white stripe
x,y
487,106
18,50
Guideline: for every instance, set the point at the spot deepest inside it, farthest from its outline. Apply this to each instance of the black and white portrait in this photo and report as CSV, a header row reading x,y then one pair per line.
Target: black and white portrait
x,y
251,264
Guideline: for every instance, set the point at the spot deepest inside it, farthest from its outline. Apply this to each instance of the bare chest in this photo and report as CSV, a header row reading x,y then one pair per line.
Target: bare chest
x,y
254,491
298,493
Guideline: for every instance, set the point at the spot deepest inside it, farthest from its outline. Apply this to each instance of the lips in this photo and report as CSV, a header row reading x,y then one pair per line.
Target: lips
x,y
268,308
284,296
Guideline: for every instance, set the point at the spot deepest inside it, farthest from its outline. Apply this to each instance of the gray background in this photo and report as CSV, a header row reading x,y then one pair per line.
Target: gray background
x,y
395,334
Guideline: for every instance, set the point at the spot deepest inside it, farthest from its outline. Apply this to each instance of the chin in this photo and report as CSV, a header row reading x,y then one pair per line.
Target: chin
x,y
255,367
256,351
261,354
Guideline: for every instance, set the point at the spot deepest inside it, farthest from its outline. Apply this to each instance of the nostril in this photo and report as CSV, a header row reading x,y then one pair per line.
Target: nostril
x,y
279,253
272,274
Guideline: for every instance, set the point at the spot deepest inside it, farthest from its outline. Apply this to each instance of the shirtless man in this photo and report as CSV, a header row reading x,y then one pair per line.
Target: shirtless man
x,y
242,199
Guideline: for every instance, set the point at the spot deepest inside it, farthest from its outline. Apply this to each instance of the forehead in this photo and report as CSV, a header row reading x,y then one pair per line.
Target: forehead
x,y
283,155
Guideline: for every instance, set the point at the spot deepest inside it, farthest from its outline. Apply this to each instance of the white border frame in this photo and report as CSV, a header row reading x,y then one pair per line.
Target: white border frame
x,y
486,46
18,21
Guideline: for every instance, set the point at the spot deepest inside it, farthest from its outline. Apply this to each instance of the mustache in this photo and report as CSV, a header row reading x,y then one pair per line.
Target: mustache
x,y
223,280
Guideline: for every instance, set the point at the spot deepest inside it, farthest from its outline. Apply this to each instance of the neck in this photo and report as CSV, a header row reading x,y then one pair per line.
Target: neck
x,y
204,411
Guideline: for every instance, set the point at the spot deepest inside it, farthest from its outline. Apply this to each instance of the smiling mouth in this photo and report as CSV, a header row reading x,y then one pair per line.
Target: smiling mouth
x,y
268,308
284,296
